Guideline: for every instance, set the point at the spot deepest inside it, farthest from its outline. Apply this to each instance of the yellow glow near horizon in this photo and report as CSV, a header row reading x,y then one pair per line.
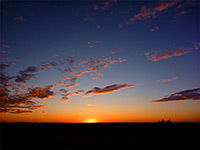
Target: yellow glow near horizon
x,y
91,121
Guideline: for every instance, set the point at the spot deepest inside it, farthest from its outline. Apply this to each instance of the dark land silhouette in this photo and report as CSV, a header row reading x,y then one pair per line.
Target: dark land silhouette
x,y
162,135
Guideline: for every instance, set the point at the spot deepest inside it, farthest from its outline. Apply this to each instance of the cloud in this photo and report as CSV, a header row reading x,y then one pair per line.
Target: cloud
x,y
192,94
48,65
107,89
98,26
72,85
168,53
146,13
155,28
5,65
78,92
180,14
19,18
17,98
167,80
40,92
96,78
23,77
70,71
4,46
81,73
104,5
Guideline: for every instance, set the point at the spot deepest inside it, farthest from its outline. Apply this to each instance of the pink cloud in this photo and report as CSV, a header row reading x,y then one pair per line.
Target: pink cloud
x,y
167,80
98,26
155,28
19,18
96,78
166,54
104,5
146,13
81,73
4,46
72,85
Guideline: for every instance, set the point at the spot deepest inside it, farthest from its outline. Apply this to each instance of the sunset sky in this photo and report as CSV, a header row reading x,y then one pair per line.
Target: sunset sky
x,y
100,61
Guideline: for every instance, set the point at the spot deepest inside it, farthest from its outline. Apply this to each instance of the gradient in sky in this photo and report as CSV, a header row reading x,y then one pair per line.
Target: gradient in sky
x,y
100,61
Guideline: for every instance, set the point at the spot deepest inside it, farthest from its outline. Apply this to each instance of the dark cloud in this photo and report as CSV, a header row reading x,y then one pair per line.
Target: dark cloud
x,y
78,92
31,69
40,92
192,94
107,89
4,65
23,77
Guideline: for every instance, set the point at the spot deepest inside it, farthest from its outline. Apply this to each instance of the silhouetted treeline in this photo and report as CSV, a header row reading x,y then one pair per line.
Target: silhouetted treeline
x,y
100,135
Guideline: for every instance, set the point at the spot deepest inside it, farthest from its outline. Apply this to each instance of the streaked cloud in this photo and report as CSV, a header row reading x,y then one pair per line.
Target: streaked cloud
x,y
167,80
104,5
4,46
168,53
107,89
72,85
19,18
147,13
4,65
78,92
81,73
192,94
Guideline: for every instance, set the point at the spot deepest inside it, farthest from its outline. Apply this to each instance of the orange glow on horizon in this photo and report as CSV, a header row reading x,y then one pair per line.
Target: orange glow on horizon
x,y
91,120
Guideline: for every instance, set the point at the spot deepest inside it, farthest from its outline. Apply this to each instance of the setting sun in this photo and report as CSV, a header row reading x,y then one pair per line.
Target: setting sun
x,y
91,121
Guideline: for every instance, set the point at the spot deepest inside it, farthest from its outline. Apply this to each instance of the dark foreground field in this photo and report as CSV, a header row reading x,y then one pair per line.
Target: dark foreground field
x,y
122,136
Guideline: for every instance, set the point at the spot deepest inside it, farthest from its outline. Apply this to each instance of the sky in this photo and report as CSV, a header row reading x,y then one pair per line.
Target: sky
x,y
100,61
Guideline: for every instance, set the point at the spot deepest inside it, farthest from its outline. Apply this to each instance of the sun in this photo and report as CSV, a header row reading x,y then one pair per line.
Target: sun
x,y
91,120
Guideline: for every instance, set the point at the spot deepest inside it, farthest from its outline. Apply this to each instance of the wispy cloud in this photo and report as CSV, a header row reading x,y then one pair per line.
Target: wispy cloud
x,y
107,89
72,85
4,46
167,80
98,26
192,94
104,5
154,29
19,18
168,53
146,13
